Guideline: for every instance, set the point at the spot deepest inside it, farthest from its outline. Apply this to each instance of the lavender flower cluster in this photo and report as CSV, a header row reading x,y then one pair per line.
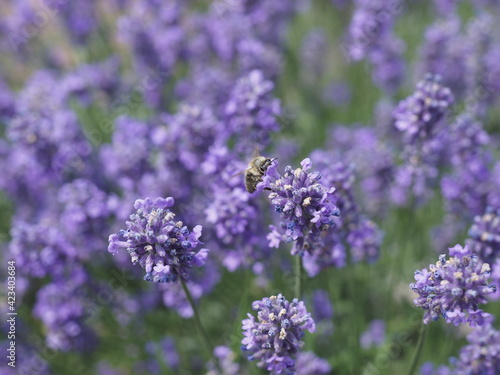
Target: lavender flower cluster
x,y
307,207
162,246
453,288
275,338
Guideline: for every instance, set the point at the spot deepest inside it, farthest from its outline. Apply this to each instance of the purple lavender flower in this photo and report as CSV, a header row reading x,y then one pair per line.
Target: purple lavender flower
x,y
28,361
225,29
388,64
309,364
61,307
207,86
153,32
468,138
360,235
314,52
418,114
254,54
428,369
444,53
454,287
484,235
371,36
492,80
370,22
119,163
42,249
232,212
364,240
275,338
445,7
482,40
166,347
90,81
234,217
189,132
307,207
323,309
47,144
7,103
80,18
251,111
362,147
227,362
425,136
481,356
270,19
325,250
85,212
162,246
374,335
469,184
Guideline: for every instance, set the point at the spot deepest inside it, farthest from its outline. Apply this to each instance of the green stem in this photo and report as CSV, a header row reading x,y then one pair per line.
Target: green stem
x,y
201,331
298,276
418,348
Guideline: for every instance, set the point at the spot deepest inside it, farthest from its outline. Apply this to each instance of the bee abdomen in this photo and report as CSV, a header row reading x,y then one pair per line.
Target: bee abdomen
x,y
251,181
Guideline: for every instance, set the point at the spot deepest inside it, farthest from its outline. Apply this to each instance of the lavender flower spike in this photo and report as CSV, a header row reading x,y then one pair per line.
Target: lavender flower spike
x,y
418,114
307,208
162,246
453,288
275,338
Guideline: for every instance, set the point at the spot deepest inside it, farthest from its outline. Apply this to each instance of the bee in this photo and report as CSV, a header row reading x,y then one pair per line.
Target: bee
x,y
255,170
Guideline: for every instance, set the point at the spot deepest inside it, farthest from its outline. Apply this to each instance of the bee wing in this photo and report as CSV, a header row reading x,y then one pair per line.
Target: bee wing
x,y
237,174
255,153
234,175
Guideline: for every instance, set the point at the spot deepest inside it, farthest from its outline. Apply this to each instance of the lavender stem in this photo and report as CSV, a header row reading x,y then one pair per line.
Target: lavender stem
x,y
418,349
201,331
298,275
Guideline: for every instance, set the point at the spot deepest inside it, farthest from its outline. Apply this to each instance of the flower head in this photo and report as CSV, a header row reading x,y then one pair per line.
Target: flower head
x,y
374,335
309,364
453,288
418,114
226,359
307,207
482,355
275,338
162,246
485,235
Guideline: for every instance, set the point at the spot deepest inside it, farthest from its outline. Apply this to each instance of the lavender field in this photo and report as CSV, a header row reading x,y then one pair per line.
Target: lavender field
x,y
243,187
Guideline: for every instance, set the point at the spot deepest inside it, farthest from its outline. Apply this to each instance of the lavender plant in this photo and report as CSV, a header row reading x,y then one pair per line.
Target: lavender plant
x,y
306,206
165,248
453,288
274,339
